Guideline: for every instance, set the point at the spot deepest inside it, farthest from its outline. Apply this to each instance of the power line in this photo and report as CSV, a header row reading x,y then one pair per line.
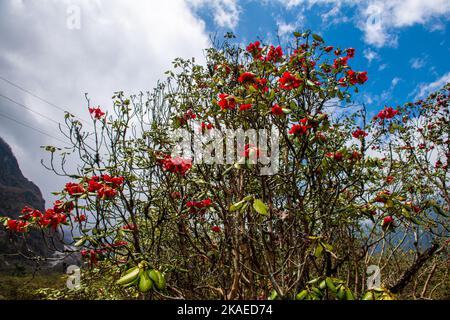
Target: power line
x,y
39,98
32,128
28,108
34,111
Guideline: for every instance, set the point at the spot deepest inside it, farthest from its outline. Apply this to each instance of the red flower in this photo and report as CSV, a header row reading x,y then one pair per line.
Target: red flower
x,y
338,156
216,229
17,225
386,113
329,48
277,110
389,179
130,227
274,54
175,195
340,62
206,126
362,77
288,81
355,156
246,77
350,52
226,101
97,112
189,115
261,84
81,218
106,192
245,106
300,129
117,181
93,185
387,221
74,188
359,134
176,165
255,50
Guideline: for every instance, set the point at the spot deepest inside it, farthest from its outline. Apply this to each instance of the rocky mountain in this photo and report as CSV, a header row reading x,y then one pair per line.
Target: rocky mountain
x,y
16,191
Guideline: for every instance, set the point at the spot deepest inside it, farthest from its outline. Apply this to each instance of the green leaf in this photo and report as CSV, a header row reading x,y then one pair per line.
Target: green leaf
x,y
236,206
260,207
317,37
319,250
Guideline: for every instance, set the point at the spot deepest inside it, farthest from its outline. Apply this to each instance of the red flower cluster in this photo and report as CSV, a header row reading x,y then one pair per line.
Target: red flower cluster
x,y
80,219
247,77
357,77
198,206
350,52
17,225
274,54
176,165
255,50
51,217
359,134
206,126
223,67
130,227
386,113
340,62
74,188
226,101
301,128
245,106
96,112
277,110
288,81
216,229
338,156
261,84
105,186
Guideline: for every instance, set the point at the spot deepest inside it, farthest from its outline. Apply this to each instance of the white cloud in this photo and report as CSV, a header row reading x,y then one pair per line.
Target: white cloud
x,y
395,81
122,45
425,89
381,19
382,66
285,28
225,12
417,63
370,55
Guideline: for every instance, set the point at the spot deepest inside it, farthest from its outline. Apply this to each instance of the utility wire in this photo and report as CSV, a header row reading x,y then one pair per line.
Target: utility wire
x,y
39,98
32,128
25,107
36,112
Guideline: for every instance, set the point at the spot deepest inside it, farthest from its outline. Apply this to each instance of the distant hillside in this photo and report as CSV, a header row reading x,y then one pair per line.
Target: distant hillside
x,y
16,191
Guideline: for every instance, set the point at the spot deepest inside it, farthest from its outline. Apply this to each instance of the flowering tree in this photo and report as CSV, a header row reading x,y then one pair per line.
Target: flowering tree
x,y
349,191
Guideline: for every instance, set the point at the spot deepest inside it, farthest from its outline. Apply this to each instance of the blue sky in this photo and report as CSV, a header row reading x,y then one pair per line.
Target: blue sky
x,y
404,45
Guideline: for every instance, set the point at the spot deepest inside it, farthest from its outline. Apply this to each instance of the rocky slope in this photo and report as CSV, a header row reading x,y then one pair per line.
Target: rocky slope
x,y
16,191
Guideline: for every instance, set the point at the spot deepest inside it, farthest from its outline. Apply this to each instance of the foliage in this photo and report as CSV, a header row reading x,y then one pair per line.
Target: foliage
x,y
350,191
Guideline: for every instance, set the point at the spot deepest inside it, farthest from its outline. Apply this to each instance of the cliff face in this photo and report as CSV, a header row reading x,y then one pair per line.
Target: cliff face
x,y
16,191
